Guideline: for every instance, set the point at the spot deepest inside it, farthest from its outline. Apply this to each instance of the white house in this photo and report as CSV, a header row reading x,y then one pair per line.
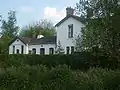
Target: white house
x,y
23,45
67,30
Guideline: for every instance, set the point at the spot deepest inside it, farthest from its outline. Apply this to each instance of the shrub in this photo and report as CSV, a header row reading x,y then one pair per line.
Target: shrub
x,y
40,77
22,78
59,78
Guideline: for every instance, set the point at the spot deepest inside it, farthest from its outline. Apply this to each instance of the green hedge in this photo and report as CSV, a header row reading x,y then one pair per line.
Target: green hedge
x,y
81,61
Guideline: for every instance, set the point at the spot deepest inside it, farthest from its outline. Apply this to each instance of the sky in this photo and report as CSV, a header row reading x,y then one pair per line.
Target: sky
x,y
29,11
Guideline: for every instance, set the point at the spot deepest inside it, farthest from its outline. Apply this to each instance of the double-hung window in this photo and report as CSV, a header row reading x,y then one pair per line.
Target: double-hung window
x,y
70,31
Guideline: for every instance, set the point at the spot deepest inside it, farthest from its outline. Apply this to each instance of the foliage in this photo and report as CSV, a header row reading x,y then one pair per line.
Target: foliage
x,y
36,77
59,48
102,25
9,30
82,61
97,79
58,78
43,27
9,27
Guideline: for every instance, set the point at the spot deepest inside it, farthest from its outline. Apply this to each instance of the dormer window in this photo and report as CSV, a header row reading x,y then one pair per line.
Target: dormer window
x,y
70,31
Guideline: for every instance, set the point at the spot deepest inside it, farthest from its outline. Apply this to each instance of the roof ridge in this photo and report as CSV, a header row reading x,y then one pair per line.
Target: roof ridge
x,y
68,16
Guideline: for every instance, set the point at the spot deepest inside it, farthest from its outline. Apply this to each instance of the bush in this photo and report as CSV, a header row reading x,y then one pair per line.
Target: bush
x,y
37,78
81,61
40,77
97,79
58,78
22,78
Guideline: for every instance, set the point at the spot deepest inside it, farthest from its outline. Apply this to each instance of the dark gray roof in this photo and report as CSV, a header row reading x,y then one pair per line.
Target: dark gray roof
x,y
25,39
44,40
35,41
68,16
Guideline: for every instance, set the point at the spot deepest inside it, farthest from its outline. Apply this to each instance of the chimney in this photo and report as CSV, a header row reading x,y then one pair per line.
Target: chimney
x,y
69,11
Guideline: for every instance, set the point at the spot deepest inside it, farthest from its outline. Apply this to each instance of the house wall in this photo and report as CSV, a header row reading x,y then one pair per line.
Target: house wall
x,y
46,46
17,43
62,32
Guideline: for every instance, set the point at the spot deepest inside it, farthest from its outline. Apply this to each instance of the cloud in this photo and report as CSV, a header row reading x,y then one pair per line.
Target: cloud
x,y
53,14
27,9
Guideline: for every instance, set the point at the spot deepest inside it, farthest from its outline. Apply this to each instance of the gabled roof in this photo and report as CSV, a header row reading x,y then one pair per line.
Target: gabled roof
x,y
25,40
68,16
35,41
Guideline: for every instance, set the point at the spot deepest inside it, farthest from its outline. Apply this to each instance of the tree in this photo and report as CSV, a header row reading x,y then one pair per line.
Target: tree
x,y
9,27
102,28
43,27
9,30
59,48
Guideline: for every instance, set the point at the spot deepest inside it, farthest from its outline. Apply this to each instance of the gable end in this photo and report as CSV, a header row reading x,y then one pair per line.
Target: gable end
x,y
68,16
16,39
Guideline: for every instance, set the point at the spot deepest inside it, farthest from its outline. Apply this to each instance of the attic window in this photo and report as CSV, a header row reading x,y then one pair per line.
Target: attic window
x,y
17,40
70,31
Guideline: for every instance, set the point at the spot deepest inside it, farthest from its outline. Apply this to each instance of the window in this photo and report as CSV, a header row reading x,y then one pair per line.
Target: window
x,y
42,51
72,49
33,51
51,50
70,31
22,49
17,40
17,51
67,50
13,49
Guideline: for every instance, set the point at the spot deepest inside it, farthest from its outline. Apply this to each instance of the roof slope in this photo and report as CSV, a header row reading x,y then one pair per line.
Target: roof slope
x,y
35,41
44,40
68,16
25,40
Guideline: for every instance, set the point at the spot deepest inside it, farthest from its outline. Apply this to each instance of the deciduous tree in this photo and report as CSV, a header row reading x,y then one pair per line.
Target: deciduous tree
x,y
102,28
9,30
43,27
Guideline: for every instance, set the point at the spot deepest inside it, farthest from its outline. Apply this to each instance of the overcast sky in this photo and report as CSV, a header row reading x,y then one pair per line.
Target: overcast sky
x,y
29,11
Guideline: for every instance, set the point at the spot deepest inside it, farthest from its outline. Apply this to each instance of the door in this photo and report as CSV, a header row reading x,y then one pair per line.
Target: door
x,y
42,51
18,51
